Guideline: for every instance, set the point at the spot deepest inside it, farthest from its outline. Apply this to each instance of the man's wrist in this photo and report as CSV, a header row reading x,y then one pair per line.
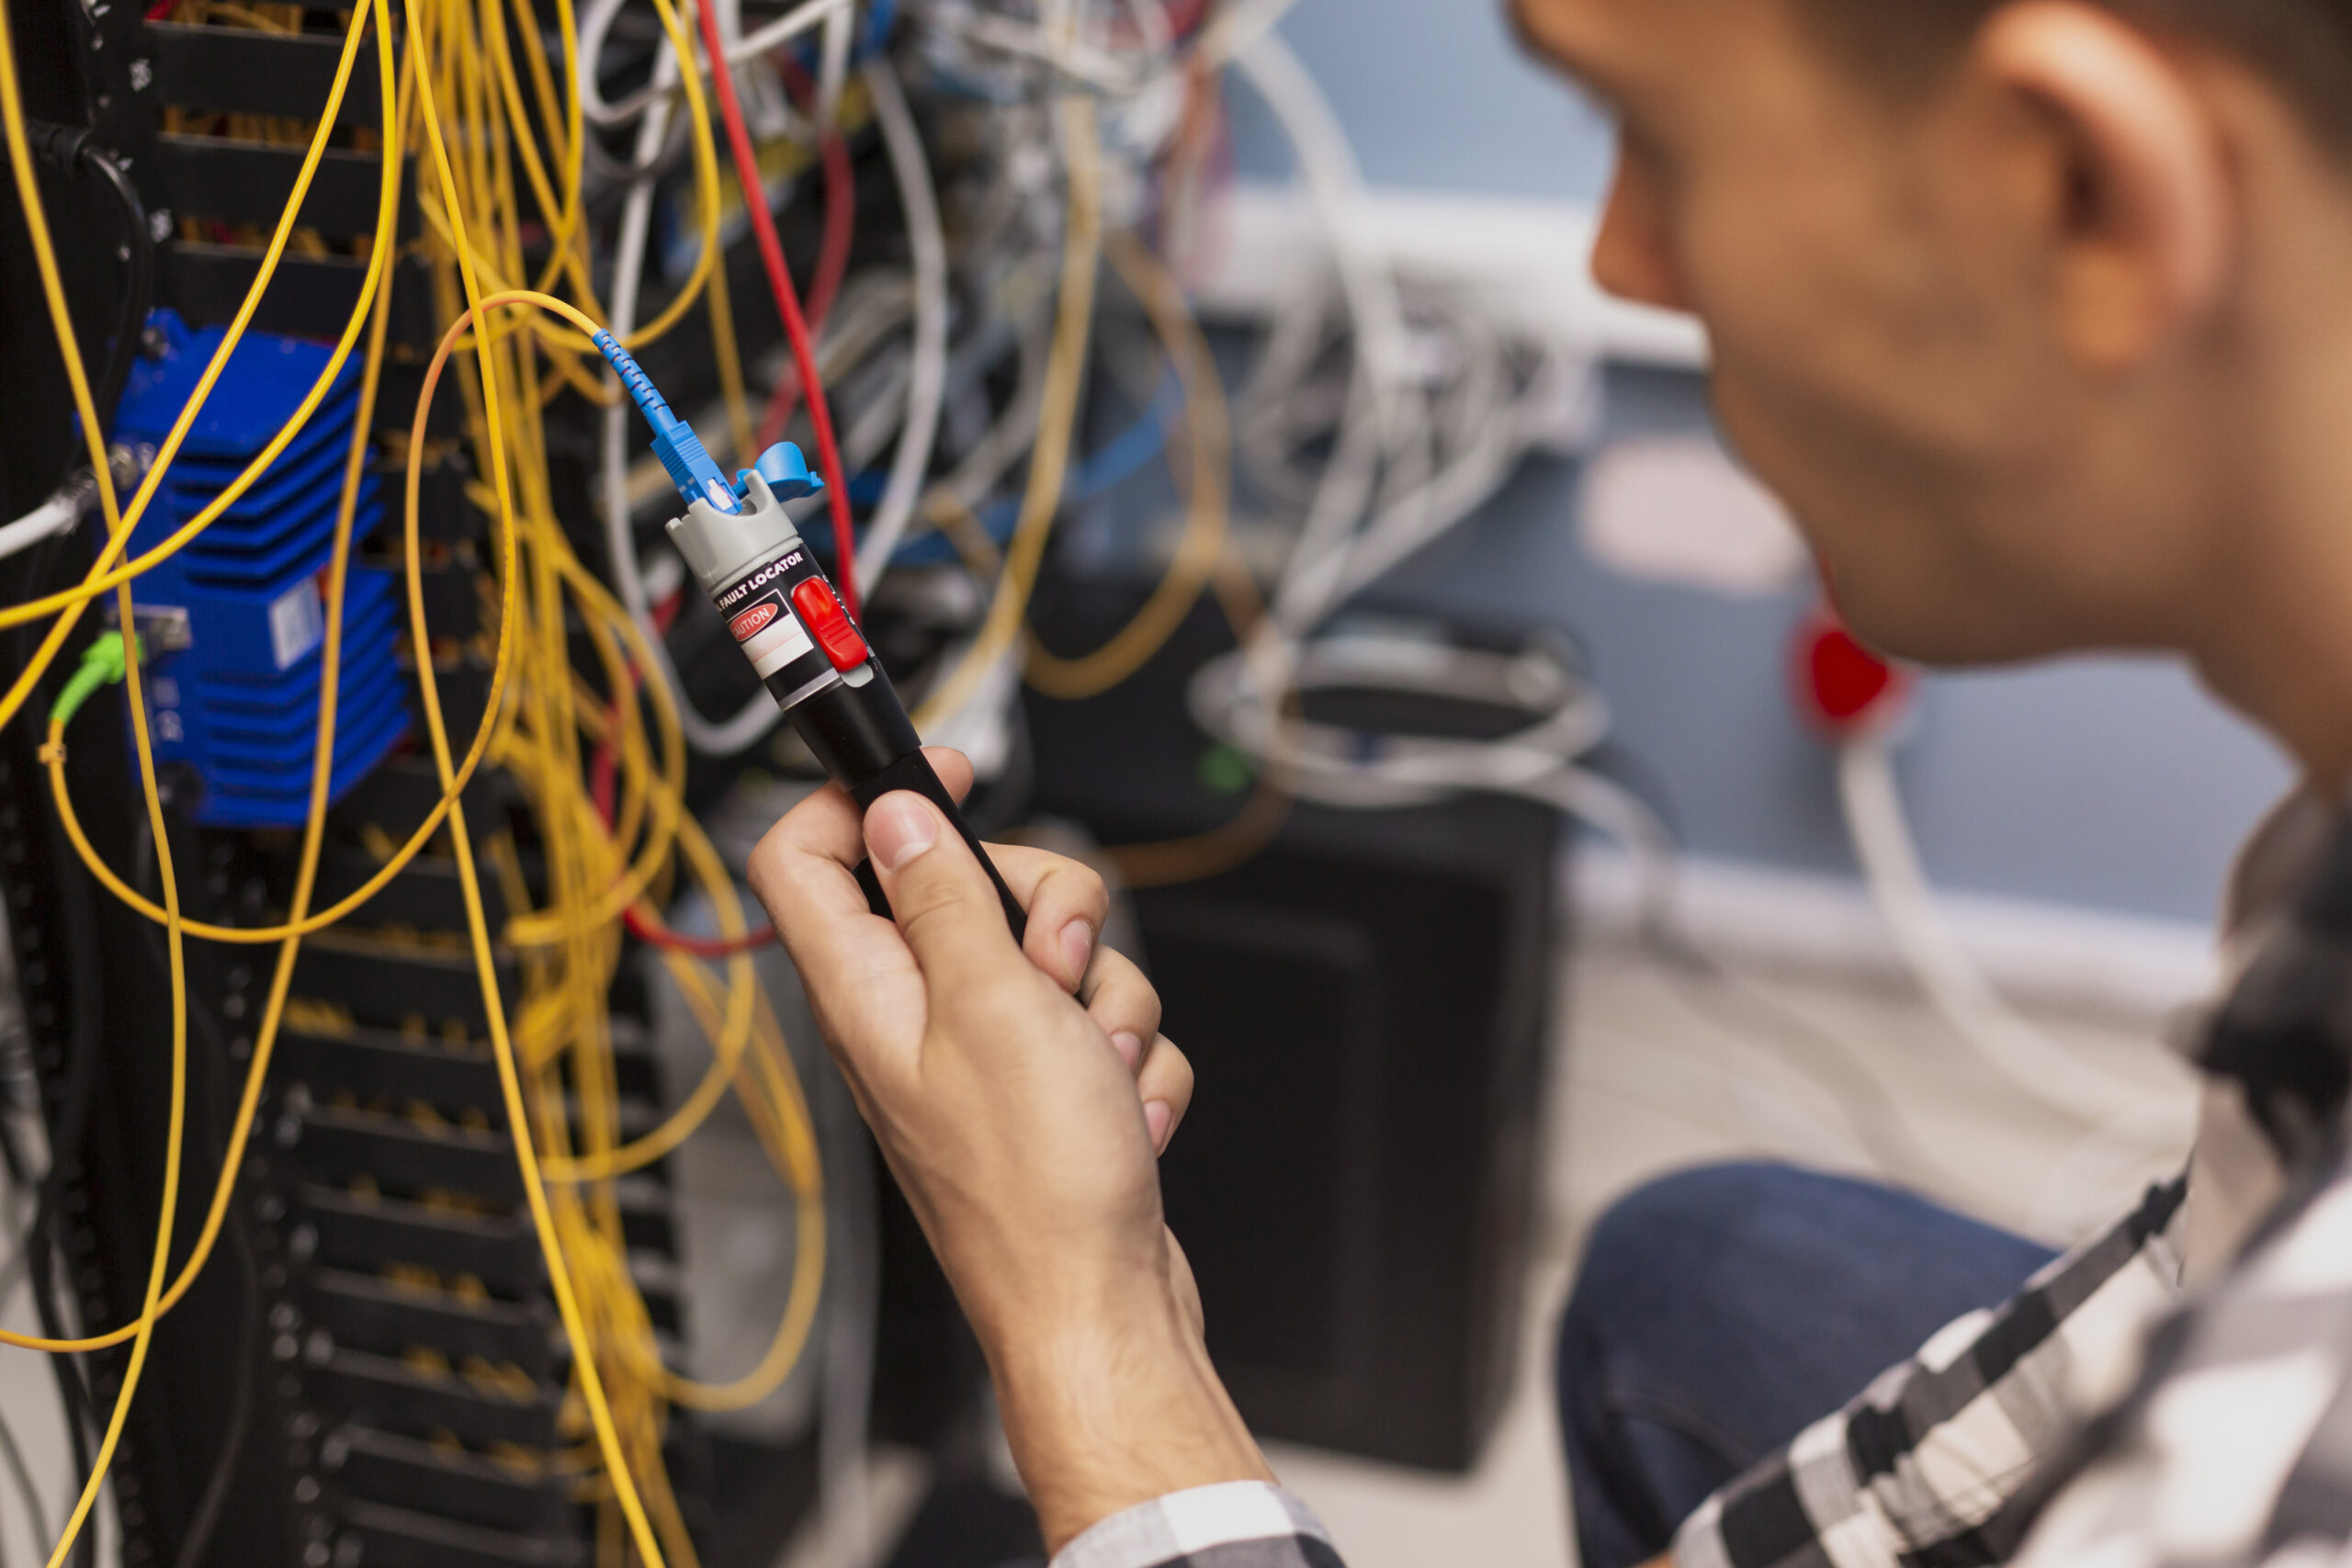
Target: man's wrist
x,y
1113,1408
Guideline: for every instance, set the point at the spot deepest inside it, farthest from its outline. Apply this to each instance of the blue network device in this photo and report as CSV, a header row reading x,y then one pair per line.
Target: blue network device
x,y
235,699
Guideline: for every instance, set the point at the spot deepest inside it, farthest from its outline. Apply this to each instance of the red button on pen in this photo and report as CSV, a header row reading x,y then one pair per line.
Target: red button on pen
x,y
829,625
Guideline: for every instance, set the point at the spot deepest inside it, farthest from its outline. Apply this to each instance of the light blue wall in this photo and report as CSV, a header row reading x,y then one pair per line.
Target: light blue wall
x,y
1436,94
2106,784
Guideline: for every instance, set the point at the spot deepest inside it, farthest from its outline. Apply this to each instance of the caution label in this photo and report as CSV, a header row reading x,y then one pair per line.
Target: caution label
x,y
768,635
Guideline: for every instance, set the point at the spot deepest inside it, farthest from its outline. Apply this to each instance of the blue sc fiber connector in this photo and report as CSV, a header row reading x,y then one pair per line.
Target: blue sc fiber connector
x,y
674,440
235,623
690,467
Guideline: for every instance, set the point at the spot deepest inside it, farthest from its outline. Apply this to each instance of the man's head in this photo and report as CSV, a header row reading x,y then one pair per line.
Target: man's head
x,y
2019,303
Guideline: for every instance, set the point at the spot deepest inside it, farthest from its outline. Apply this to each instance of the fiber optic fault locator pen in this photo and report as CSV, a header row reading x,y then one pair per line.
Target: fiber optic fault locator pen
x,y
749,559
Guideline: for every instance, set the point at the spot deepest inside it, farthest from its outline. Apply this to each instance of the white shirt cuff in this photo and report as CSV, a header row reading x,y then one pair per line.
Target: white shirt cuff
x,y
1169,1530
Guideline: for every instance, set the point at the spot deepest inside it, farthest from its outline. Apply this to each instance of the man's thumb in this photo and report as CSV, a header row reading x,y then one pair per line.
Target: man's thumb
x,y
946,907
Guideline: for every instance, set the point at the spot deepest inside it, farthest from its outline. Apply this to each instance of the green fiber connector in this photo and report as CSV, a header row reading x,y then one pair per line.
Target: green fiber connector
x,y
102,665
1226,770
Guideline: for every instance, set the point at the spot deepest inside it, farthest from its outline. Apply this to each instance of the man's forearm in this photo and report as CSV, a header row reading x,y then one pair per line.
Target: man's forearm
x,y
1114,1412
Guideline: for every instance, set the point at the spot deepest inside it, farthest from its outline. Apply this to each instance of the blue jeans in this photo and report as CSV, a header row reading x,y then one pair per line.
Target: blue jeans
x,y
1720,1311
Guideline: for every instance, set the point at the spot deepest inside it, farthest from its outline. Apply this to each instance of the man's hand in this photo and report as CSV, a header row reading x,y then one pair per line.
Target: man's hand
x,y
1022,1101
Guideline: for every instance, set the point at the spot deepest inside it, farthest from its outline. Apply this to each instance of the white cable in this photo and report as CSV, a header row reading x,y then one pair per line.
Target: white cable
x,y
1413,523
1082,63
1387,421
840,33
1385,414
1151,21
1335,181
927,382
56,516
783,30
62,512
767,108
596,20
803,19
1476,414
1341,766
2008,1044
1237,28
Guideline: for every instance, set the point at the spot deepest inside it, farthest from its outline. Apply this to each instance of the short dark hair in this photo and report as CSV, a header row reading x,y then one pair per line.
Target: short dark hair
x,y
2305,45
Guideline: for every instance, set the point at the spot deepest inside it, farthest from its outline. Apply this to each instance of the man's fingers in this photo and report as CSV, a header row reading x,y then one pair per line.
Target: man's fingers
x,y
1123,1006
1166,1084
805,887
858,972
829,822
1066,904
946,906
954,768
859,964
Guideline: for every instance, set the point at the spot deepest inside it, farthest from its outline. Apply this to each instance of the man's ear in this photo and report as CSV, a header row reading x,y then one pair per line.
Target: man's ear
x,y
2138,202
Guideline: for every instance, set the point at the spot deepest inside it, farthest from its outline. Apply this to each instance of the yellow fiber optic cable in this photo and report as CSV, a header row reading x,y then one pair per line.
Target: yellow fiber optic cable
x,y
539,713
707,187
323,760
568,233
567,1303
119,526
53,756
167,1214
729,1040
562,215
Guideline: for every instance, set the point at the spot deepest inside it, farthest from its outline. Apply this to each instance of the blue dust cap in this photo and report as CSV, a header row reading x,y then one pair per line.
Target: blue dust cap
x,y
785,469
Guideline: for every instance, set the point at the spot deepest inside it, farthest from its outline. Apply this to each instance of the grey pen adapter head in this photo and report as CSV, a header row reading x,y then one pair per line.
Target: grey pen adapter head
x,y
719,548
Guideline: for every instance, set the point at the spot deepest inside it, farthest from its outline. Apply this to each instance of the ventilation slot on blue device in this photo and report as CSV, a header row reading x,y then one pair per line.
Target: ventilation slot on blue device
x,y
239,703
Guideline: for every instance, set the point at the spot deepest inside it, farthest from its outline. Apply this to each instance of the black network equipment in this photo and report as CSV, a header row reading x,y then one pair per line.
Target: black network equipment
x,y
1367,1003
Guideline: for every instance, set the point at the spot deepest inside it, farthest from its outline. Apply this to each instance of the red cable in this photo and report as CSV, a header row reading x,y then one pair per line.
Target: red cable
x,y
788,305
841,228
1186,16
645,930
832,269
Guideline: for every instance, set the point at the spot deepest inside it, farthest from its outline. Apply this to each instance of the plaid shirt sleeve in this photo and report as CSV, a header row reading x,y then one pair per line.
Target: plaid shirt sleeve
x,y
2236,1448
1927,1468
1241,1525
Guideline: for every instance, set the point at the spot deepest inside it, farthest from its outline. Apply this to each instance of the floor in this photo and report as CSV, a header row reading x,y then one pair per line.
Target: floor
x,y
1659,1069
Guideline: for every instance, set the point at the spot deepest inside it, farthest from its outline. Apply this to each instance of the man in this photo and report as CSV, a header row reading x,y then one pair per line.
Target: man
x,y
2039,313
